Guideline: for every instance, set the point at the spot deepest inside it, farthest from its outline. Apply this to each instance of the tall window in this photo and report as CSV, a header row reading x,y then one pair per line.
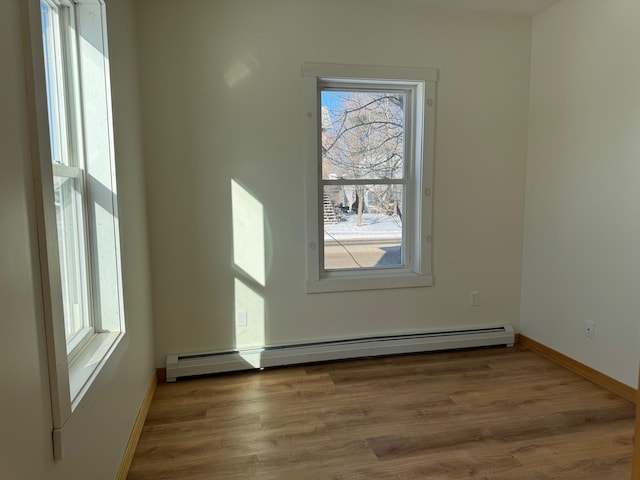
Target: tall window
x,y
370,176
60,61
78,223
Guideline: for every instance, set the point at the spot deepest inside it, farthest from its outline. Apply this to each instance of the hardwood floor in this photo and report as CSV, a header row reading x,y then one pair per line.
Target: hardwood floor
x,y
499,414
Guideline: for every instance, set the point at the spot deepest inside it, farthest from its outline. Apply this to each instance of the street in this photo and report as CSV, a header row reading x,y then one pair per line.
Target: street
x,y
362,256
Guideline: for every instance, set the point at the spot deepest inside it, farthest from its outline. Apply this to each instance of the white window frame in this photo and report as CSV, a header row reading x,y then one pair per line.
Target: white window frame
x,y
419,131
91,143
70,164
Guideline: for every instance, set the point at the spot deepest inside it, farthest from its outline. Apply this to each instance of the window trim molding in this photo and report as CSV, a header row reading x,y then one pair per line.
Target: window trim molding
x,y
369,72
418,273
69,378
53,313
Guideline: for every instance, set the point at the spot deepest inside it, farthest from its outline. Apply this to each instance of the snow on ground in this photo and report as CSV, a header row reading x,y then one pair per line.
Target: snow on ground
x,y
374,227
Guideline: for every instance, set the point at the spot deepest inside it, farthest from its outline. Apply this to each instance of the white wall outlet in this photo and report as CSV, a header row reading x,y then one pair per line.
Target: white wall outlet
x,y
474,299
242,318
590,329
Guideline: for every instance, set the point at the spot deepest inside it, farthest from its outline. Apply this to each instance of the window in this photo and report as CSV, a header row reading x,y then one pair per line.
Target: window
x,y
369,176
77,202
60,67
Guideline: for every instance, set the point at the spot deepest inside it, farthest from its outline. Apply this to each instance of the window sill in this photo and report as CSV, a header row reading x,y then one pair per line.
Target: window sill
x,y
381,282
89,362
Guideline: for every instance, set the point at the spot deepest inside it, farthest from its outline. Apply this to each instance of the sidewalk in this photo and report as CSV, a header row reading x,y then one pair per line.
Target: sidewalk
x,y
375,229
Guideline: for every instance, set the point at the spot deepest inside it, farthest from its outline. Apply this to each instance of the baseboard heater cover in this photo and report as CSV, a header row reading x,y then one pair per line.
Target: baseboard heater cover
x,y
187,365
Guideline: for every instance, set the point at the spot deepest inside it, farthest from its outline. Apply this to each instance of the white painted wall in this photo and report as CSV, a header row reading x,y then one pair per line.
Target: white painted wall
x,y
222,101
97,433
582,235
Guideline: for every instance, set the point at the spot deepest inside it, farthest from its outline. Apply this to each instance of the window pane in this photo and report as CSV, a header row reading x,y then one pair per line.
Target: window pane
x,y
362,226
362,134
54,81
71,246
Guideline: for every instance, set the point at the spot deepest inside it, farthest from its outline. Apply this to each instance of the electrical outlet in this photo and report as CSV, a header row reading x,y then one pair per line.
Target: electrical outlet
x,y
242,318
590,329
474,299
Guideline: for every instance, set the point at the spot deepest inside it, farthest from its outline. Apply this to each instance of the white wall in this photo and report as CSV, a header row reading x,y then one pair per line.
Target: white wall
x,y
97,433
582,235
206,122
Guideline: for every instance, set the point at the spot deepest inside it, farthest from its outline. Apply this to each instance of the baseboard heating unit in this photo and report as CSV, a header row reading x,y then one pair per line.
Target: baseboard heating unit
x,y
274,356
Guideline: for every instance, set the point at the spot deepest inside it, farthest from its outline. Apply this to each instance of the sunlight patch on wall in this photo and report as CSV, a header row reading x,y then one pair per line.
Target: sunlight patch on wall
x,y
240,69
248,233
249,259
250,321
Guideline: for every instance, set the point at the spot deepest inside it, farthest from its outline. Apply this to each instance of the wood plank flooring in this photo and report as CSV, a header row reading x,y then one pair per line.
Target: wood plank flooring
x,y
490,414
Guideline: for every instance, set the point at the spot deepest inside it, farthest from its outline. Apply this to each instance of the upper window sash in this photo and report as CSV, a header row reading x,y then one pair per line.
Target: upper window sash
x,y
61,70
406,90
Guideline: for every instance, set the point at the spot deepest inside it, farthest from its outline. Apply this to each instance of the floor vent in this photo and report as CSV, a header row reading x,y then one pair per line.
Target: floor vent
x,y
250,358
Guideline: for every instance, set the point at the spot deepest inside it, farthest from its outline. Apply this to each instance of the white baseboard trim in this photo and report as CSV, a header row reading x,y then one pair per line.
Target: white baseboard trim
x,y
184,365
